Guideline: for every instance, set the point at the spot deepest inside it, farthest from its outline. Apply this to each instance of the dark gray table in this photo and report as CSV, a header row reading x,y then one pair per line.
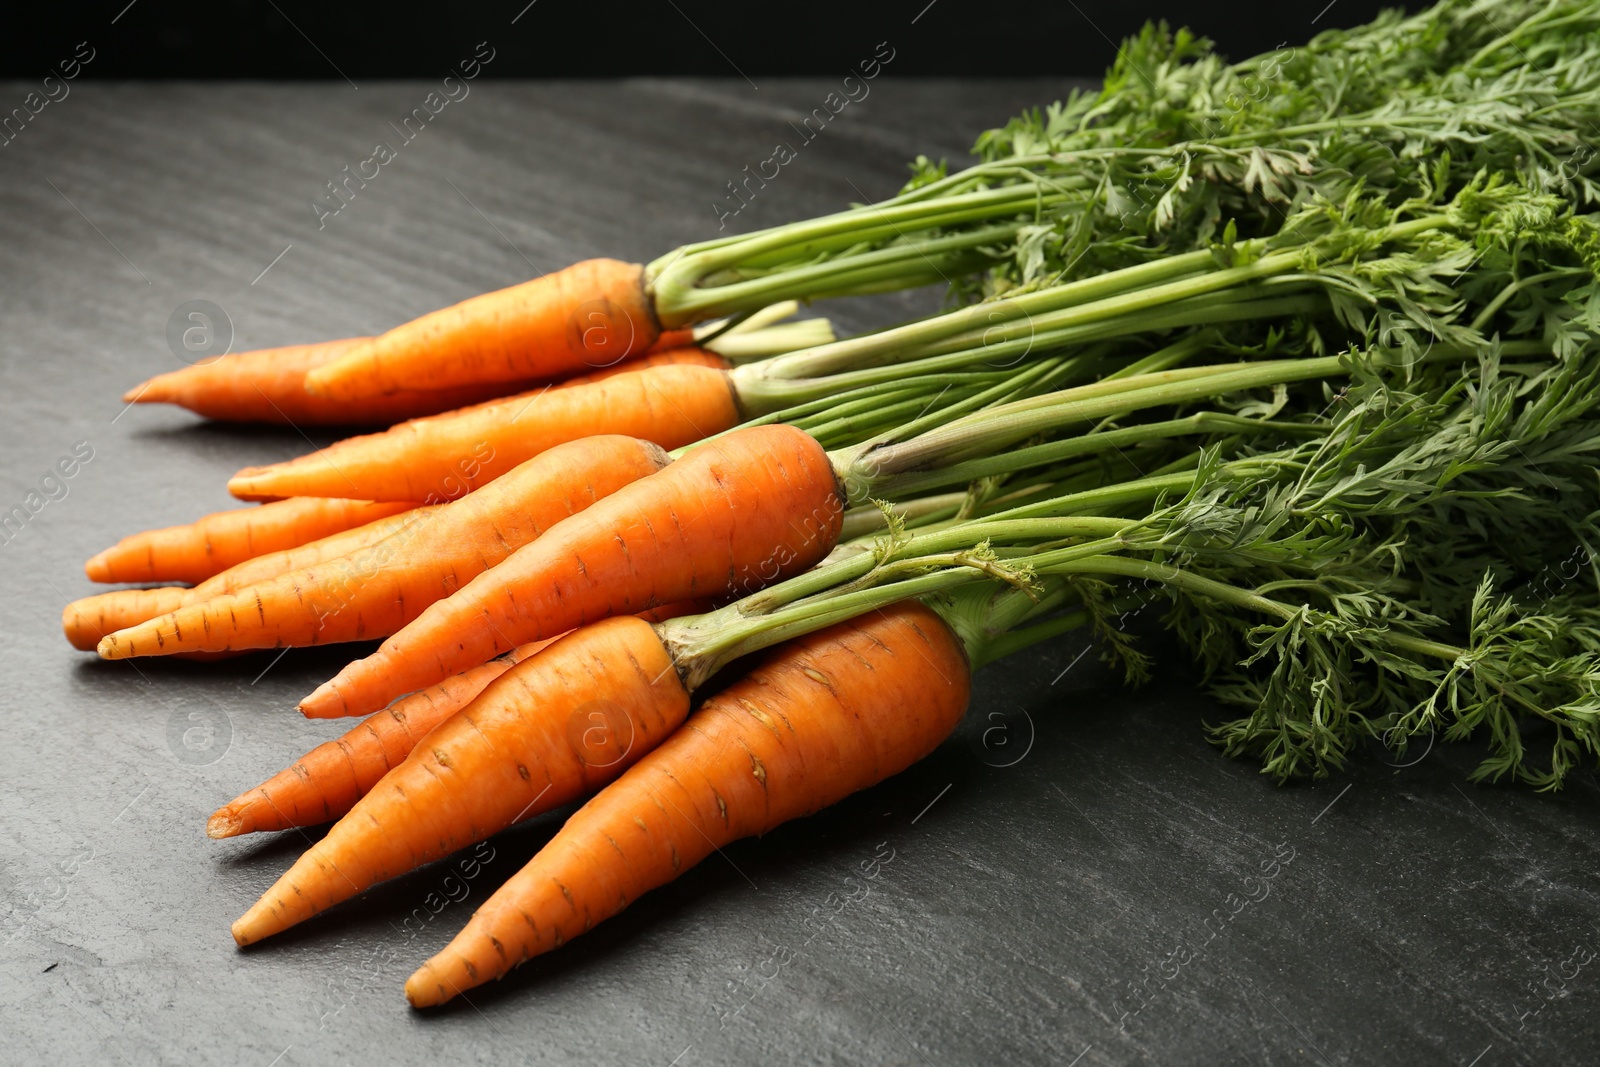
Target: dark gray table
x,y
1077,877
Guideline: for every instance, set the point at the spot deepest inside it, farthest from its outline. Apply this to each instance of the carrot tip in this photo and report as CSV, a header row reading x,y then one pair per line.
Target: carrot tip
x,y
240,937
422,991
97,568
225,823
323,704
107,648
246,486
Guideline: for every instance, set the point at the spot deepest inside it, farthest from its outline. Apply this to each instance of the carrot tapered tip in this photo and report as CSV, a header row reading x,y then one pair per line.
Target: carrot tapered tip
x,y
162,389
225,822
325,703
108,648
424,989
254,483
98,567
240,936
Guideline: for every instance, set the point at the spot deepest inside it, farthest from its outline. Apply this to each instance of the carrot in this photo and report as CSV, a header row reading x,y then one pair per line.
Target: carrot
x,y
588,315
526,745
88,620
669,400
738,512
670,339
328,780
376,591
268,385
195,552
820,718
270,565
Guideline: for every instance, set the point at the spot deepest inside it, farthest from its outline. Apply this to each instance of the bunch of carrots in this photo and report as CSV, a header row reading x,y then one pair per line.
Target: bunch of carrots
x,y
1256,390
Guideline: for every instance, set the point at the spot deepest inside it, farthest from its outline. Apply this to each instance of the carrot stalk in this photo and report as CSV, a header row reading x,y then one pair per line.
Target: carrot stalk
x,y
374,592
547,731
732,515
588,315
200,549
820,718
667,399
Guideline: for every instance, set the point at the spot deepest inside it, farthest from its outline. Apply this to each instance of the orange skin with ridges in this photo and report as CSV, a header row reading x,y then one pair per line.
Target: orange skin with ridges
x,y
587,315
517,750
376,591
88,620
820,718
268,385
327,781
208,546
445,456
735,514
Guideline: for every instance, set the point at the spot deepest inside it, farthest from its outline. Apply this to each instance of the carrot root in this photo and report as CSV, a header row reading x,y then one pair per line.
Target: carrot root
x,y
445,456
731,516
208,546
88,620
525,745
817,720
374,592
585,316
327,781
268,386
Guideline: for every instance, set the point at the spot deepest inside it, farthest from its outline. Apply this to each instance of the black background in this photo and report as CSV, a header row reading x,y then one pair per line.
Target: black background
x,y
300,39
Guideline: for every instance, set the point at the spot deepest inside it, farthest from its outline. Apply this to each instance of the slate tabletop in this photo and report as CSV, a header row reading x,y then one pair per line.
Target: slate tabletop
x,y
1077,877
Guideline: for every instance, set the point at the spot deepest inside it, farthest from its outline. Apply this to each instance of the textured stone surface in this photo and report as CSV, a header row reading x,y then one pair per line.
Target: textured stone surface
x,y
1047,860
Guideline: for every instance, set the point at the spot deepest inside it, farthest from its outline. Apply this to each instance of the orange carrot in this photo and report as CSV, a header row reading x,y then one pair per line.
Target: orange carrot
x,y
670,339
203,548
547,731
671,403
268,385
272,564
328,780
819,719
88,620
589,315
376,591
734,514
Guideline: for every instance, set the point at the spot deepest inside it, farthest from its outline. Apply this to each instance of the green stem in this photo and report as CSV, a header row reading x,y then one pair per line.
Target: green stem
x,y
916,483
996,428
685,285
980,318
1178,578
1016,640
